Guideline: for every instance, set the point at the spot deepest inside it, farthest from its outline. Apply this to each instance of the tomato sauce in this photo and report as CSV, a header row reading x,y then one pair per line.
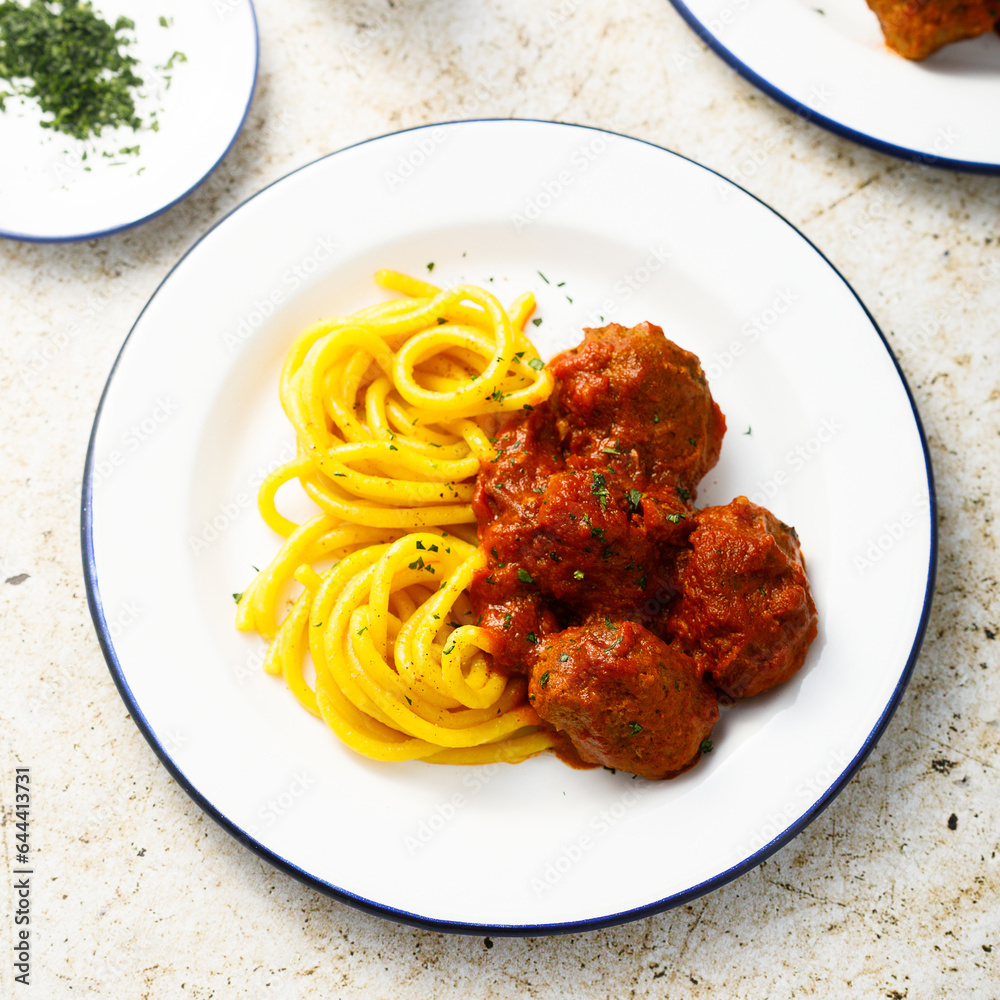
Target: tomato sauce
x,y
630,611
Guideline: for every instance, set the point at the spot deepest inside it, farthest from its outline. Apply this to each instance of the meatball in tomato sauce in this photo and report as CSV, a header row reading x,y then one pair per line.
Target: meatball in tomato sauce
x,y
624,698
745,612
632,399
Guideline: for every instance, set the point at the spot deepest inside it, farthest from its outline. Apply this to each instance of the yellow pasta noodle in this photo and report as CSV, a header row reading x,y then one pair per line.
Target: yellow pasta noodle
x,y
391,409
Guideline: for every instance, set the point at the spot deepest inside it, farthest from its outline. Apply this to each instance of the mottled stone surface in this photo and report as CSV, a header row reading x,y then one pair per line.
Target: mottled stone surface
x,y
891,892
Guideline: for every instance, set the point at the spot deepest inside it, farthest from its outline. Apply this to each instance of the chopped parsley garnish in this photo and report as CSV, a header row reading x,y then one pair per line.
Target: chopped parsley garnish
x,y
598,533
176,57
524,576
578,574
536,363
599,487
542,276
506,619
72,61
532,638
692,442
537,321
656,418
237,598
543,680
684,494
563,657
419,563
608,623
634,728
430,266
615,643
675,518
634,499
360,631
441,321
706,746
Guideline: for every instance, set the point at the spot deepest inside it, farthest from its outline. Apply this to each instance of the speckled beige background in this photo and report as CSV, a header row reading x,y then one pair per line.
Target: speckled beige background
x,y
892,892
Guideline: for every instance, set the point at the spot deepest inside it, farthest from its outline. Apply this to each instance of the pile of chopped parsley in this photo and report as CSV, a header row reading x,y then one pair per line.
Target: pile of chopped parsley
x,y
72,61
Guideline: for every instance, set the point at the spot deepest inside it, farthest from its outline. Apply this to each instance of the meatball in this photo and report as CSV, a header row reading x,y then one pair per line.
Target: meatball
x,y
635,400
624,698
579,504
915,30
745,613
590,540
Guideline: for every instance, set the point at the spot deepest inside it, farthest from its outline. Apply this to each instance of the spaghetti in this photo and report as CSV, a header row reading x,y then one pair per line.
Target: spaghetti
x,y
391,409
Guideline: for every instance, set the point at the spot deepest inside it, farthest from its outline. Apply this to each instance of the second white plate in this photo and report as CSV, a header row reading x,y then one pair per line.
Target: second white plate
x,y
827,60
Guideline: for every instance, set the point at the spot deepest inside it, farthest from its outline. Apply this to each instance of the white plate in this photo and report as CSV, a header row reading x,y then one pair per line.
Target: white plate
x,y
190,423
54,187
827,60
